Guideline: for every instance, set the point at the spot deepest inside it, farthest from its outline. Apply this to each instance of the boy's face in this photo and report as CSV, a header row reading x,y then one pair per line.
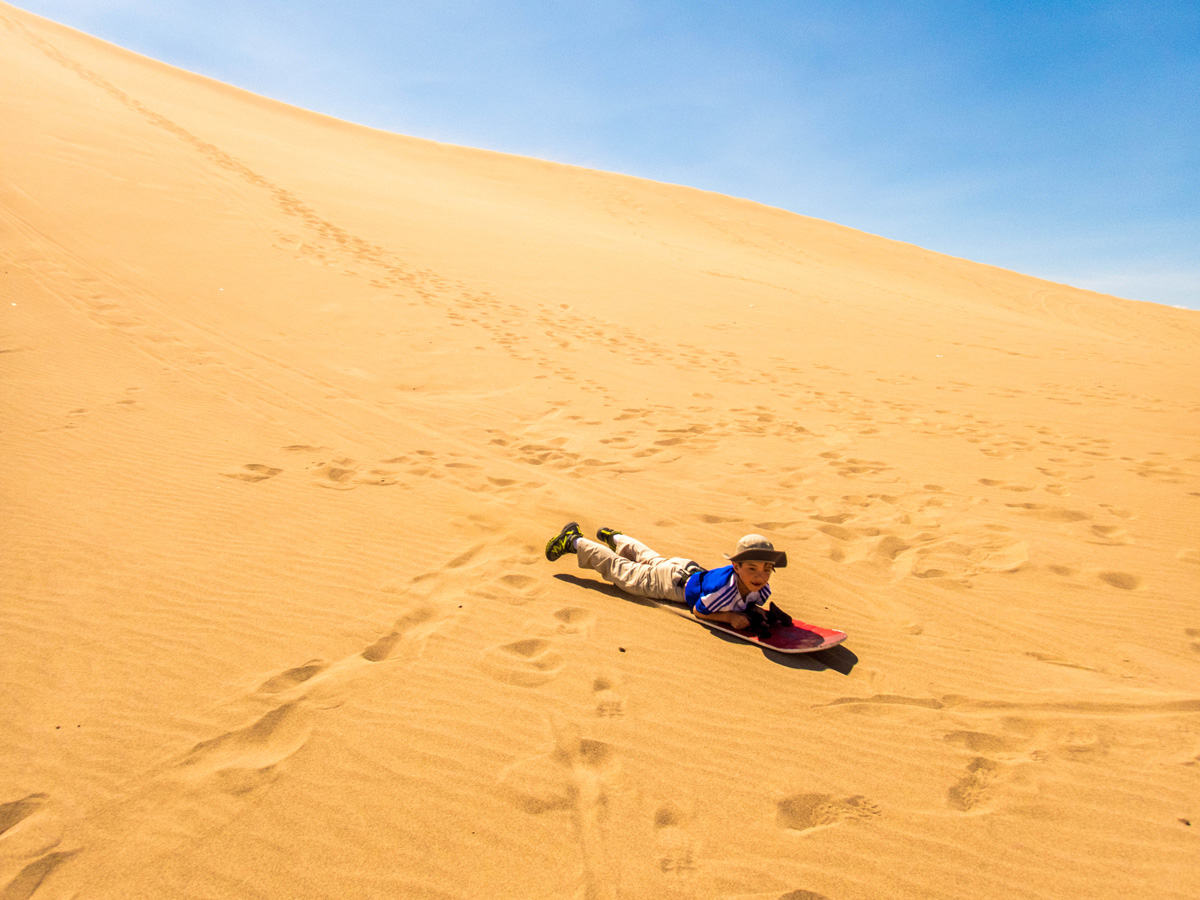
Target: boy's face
x,y
754,573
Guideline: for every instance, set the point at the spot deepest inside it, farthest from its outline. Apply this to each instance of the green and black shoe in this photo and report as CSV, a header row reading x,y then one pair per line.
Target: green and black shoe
x,y
563,542
608,535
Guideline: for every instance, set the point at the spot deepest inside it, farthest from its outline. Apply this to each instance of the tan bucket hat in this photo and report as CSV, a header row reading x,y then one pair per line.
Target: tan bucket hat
x,y
755,546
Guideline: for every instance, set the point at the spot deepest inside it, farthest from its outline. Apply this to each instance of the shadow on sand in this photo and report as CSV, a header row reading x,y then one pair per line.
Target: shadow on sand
x,y
841,659
603,587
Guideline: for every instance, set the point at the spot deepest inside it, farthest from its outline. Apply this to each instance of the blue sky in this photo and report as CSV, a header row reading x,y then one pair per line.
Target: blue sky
x,y
1061,139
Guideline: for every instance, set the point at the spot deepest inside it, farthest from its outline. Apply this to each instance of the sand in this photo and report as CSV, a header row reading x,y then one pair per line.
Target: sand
x,y
291,407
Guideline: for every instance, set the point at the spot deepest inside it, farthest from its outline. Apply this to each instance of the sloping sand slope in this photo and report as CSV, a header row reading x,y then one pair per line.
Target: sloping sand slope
x,y
290,408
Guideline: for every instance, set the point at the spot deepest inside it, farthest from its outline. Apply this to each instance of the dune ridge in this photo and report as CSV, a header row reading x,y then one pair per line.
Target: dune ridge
x,y
291,407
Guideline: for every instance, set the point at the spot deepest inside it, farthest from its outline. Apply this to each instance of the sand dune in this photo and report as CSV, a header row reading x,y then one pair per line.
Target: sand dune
x,y
291,407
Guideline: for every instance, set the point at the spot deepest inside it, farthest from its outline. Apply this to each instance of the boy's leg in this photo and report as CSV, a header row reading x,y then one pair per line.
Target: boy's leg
x,y
633,549
666,576
642,579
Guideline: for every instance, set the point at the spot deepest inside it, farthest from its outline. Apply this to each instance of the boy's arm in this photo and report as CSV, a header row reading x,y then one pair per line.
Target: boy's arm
x,y
733,619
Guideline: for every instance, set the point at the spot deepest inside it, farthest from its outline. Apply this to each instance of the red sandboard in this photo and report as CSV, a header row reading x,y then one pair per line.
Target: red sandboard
x,y
799,637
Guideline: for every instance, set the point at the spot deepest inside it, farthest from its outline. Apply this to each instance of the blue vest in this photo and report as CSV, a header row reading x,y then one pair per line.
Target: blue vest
x,y
702,583
721,585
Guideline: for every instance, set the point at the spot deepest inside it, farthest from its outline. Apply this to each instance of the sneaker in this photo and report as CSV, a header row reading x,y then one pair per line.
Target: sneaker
x,y
563,542
608,535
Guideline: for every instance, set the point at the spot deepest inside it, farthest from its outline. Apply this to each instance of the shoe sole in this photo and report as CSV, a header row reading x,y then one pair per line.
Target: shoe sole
x,y
571,528
609,541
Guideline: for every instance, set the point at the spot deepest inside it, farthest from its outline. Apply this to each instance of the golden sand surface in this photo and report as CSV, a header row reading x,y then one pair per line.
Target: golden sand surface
x,y
291,407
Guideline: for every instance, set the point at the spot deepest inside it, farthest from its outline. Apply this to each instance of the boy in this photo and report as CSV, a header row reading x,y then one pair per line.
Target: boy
x,y
720,595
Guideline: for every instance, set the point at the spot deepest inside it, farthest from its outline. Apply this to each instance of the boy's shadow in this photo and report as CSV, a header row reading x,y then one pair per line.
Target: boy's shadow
x,y
841,659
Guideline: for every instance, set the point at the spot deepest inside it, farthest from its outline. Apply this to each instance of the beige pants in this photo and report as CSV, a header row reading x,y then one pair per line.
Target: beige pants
x,y
634,568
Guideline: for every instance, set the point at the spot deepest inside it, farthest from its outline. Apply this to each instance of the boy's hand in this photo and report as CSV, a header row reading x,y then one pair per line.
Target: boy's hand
x,y
732,619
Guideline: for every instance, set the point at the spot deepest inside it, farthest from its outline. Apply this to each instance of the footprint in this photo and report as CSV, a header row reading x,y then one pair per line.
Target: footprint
x,y
568,620
1161,472
336,475
1123,580
973,788
1110,535
249,757
322,685
27,828
1193,633
412,626
469,554
807,813
29,879
578,776
16,811
854,468
981,742
1083,740
347,474
515,589
288,679
961,557
674,849
574,620
254,472
528,663
1050,513
839,533
609,703
538,785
